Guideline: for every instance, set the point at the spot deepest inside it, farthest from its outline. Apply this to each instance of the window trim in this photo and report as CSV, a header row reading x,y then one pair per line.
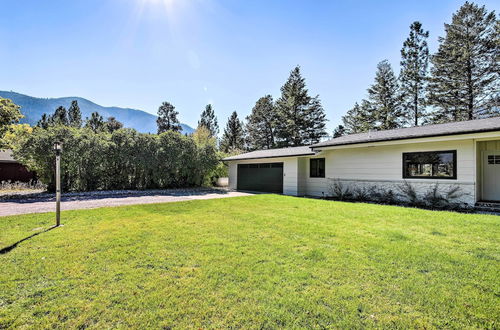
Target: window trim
x,y
310,168
455,169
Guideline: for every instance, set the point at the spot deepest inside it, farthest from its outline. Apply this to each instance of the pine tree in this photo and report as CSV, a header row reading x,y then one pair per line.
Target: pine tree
x,y
359,119
465,72
75,115
301,118
44,122
338,131
385,98
112,124
413,76
167,118
315,121
95,122
60,116
233,138
209,120
261,124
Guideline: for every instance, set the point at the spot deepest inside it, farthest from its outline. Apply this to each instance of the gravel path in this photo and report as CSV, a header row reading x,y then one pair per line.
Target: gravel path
x,y
41,203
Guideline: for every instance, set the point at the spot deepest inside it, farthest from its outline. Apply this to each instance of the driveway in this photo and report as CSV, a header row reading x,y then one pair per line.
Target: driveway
x,y
40,203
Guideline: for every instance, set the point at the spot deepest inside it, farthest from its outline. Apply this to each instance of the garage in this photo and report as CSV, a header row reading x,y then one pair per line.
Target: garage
x,y
264,177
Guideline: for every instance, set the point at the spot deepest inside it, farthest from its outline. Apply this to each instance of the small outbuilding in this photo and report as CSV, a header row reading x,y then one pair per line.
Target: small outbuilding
x,y
11,170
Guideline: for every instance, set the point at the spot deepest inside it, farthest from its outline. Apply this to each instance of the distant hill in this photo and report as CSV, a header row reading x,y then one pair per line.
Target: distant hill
x,y
33,108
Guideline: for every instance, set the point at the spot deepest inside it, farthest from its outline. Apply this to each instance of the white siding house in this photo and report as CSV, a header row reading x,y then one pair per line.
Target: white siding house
x,y
465,154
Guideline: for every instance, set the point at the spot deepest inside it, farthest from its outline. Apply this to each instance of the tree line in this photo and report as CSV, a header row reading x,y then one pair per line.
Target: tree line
x,y
294,119
462,84
100,154
73,118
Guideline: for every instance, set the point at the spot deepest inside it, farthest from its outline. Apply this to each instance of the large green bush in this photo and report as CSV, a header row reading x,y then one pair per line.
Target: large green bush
x,y
124,159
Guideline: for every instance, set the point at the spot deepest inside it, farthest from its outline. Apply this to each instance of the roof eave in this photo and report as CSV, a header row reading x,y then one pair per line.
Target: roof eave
x,y
404,138
266,157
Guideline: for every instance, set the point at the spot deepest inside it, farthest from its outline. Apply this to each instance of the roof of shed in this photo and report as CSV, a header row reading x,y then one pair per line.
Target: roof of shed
x,y
6,156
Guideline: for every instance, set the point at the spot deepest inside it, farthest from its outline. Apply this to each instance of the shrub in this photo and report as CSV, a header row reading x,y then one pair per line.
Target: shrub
x,y
123,159
362,193
436,199
409,194
21,186
338,190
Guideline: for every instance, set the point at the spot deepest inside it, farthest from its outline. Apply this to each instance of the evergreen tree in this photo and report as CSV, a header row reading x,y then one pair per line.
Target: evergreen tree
x,y
209,120
315,121
339,131
261,124
301,118
385,98
413,76
75,115
167,118
359,119
44,122
233,138
465,72
112,124
95,122
60,116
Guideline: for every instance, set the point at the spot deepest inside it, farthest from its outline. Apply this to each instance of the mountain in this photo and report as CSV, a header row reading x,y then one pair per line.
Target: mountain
x,y
33,108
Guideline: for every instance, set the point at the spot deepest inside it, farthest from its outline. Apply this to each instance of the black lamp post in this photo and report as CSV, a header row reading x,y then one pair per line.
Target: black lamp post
x,y
58,150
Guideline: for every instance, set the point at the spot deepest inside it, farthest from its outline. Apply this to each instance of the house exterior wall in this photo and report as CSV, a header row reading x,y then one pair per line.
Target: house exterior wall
x,y
491,145
290,172
381,166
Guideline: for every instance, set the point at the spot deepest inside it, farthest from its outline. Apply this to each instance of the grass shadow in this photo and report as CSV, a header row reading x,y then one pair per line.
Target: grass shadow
x,y
13,246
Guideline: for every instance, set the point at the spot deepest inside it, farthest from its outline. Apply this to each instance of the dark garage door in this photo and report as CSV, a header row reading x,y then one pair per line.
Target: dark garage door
x,y
266,177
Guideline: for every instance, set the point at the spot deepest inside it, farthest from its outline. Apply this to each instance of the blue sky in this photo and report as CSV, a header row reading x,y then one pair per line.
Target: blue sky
x,y
138,53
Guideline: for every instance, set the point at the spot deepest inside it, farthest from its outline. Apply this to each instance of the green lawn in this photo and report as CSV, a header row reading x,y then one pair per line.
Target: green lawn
x,y
263,261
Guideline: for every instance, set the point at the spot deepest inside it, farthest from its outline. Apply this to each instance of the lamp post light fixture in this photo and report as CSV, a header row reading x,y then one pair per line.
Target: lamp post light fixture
x,y
58,150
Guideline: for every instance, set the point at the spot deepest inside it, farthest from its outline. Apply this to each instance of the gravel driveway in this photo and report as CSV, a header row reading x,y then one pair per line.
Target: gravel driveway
x,y
41,203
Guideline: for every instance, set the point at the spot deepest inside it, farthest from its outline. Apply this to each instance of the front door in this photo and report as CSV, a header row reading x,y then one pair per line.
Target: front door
x,y
491,175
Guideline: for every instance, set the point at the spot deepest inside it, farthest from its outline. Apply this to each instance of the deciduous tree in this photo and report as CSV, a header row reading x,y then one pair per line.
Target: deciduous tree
x,y
9,114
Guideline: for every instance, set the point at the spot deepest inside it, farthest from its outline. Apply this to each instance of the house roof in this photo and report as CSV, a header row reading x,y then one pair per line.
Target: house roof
x,y
274,153
455,128
6,156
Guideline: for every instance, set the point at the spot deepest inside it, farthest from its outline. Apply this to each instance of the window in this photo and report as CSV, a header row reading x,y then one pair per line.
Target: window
x,y
430,165
317,168
494,159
